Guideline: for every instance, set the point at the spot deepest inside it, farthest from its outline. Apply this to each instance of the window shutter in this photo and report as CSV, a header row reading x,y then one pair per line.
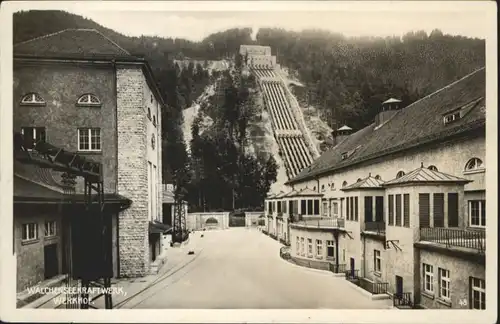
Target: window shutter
x,y
424,209
379,209
391,210
356,211
347,206
398,210
406,210
452,209
369,209
438,210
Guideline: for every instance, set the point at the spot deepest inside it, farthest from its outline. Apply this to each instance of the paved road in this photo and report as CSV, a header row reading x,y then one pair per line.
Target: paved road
x,y
241,268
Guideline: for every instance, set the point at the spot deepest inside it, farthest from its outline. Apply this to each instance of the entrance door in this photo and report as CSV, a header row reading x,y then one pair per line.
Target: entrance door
x,y
51,263
399,286
352,267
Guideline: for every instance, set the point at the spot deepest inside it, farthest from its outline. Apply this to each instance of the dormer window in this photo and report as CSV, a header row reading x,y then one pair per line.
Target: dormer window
x,y
451,117
359,179
32,99
88,99
400,174
344,183
378,177
322,187
344,155
332,186
432,168
474,164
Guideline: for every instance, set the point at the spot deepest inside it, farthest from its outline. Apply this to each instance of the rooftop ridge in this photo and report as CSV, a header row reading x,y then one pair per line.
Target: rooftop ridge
x,y
41,37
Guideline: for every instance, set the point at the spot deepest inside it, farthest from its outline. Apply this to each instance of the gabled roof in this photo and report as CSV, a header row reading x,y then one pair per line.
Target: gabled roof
x,y
291,193
84,42
391,100
418,124
366,183
424,175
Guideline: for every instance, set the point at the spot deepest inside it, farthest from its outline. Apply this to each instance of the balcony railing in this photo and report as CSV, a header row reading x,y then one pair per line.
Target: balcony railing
x,y
455,237
340,268
402,299
377,227
374,288
323,222
352,274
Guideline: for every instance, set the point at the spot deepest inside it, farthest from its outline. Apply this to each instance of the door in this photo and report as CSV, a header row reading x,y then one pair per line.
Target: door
x,y
51,264
352,267
399,286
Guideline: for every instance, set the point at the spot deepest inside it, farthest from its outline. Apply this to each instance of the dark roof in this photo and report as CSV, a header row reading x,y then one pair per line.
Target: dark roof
x,y
84,42
417,124
423,176
30,192
366,183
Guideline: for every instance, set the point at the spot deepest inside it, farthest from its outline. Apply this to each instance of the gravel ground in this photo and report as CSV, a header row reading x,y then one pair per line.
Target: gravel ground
x,y
241,268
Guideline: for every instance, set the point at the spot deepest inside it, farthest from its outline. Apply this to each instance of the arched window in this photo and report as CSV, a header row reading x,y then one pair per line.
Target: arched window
x,y
432,168
400,174
32,99
474,164
88,99
344,183
378,177
154,120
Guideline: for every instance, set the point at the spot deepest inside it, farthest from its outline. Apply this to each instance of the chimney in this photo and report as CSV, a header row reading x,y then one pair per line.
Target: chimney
x,y
341,134
389,108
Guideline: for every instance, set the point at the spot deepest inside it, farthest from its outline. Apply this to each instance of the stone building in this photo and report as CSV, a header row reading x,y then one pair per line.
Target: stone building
x,y
80,91
403,207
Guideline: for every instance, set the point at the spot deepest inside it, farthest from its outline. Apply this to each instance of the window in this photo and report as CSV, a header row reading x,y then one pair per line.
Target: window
x,y
309,247
444,284
32,99
325,208
452,117
88,99
89,139
323,187
398,210
452,209
359,180
30,232
477,213
377,261
330,249
428,278
332,186
474,164
32,135
319,248
424,210
356,209
344,156
316,207
335,209
400,174
298,244
378,177
432,168
406,210
477,293
302,247
149,113
50,228
344,184
154,121
438,209
391,210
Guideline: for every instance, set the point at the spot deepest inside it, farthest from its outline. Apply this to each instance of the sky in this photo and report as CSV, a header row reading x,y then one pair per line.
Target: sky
x,y
354,19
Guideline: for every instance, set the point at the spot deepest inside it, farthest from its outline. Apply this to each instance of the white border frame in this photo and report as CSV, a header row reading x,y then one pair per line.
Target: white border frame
x,y
7,303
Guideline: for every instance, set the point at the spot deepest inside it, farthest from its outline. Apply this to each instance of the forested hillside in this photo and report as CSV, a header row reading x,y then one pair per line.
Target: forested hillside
x,y
345,78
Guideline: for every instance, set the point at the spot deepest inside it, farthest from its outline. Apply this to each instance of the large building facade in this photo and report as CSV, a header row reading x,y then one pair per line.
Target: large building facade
x,y
399,206
80,91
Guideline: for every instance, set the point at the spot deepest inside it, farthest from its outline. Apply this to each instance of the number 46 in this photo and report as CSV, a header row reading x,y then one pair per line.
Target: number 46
x,y
462,302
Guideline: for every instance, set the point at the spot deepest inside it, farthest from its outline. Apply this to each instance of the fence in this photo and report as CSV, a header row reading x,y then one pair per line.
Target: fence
x,y
352,274
337,268
323,222
402,299
455,237
373,287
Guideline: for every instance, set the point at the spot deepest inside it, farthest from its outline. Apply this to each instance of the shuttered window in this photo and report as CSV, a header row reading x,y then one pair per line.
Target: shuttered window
x,y
379,208
398,210
309,207
348,208
279,207
438,209
406,210
316,207
391,210
424,210
368,209
356,210
303,207
452,209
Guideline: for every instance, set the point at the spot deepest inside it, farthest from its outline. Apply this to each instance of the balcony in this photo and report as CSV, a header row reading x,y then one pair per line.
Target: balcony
x,y
375,288
376,227
326,222
455,237
402,300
